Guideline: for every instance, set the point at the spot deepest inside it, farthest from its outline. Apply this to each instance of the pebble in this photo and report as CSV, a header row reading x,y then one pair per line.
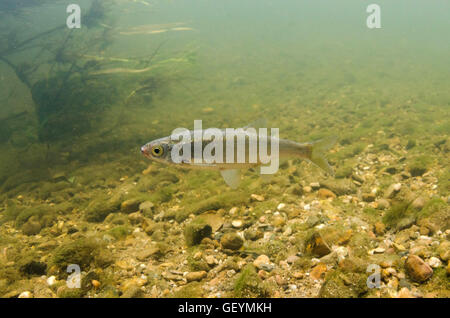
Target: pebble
x,y
379,228
318,271
210,260
417,269
195,276
404,293
95,283
263,262
379,250
257,197
262,274
392,190
418,204
231,241
51,280
368,197
325,194
135,217
237,224
233,210
292,259
307,189
26,294
314,185
281,206
383,204
434,262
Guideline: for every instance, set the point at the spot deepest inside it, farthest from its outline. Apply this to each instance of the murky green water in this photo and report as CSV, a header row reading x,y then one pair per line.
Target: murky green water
x,y
76,105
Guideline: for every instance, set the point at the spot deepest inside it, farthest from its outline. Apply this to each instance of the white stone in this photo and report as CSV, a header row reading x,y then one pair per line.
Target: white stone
x,y
26,294
233,211
281,206
237,223
341,252
51,280
434,262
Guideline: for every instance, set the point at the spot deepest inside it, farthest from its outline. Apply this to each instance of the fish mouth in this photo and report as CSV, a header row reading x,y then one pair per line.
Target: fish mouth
x,y
145,152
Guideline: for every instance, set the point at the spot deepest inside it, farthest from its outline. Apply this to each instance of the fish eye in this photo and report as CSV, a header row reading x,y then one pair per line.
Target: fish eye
x,y
157,151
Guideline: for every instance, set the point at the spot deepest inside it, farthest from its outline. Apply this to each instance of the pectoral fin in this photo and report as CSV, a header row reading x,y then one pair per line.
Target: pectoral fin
x,y
231,177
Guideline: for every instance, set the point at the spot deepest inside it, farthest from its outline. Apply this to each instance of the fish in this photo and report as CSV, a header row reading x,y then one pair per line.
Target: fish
x,y
160,150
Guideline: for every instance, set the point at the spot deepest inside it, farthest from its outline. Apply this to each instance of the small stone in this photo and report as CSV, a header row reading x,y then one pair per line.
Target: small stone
x,y
307,189
262,274
292,259
315,185
434,262
278,221
237,224
379,250
95,283
392,190
383,204
146,208
295,189
379,228
281,206
210,260
257,197
368,197
152,251
418,203
404,293
135,218
233,210
263,262
325,194
51,281
195,276
26,294
129,206
253,235
231,241
318,271
298,274
279,280
417,269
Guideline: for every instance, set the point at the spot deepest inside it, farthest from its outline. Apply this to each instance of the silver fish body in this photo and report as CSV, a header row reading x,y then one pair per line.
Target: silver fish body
x,y
160,150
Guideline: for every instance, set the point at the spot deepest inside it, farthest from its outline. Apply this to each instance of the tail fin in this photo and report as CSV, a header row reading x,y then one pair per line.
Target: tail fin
x,y
318,153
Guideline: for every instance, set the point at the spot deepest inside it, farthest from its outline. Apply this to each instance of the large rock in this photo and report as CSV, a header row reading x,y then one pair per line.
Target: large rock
x,y
196,231
317,246
417,269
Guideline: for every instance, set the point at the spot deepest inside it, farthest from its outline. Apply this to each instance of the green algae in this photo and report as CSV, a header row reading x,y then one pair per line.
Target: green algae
x,y
191,290
196,230
83,252
120,232
419,165
249,285
343,285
